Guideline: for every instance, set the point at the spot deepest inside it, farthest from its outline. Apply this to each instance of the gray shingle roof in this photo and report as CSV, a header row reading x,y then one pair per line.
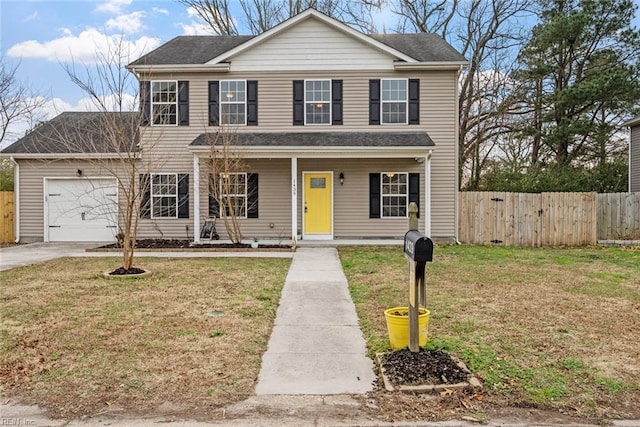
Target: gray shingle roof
x,y
325,139
190,50
424,47
79,132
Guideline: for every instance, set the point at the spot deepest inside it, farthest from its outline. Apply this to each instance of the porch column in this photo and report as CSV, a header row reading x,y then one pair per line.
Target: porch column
x,y
294,198
427,195
196,199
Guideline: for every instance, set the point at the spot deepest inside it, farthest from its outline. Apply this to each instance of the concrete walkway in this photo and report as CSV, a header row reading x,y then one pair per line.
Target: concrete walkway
x,y
316,346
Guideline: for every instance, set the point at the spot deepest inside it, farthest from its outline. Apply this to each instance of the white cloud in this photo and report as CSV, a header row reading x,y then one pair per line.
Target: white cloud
x,y
113,6
160,11
196,29
127,24
83,47
31,17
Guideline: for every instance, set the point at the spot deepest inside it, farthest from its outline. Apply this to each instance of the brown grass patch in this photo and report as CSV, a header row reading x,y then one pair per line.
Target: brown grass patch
x,y
77,343
544,328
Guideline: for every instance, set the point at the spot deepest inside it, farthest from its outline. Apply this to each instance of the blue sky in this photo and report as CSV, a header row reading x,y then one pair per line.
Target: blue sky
x,y
42,36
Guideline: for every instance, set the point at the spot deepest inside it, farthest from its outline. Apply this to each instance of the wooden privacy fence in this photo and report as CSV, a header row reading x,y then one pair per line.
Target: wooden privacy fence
x,y
526,219
7,217
619,216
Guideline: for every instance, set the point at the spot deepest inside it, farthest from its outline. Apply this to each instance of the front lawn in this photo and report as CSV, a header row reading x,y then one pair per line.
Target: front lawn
x,y
546,328
188,339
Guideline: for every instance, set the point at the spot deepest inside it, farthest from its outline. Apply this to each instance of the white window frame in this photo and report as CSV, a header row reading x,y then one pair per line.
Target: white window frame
x,y
383,195
225,100
153,196
383,102
153,103
317,102
235,195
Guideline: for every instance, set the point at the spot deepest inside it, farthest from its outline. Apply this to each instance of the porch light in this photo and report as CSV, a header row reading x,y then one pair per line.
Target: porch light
x,y
79,172
341,178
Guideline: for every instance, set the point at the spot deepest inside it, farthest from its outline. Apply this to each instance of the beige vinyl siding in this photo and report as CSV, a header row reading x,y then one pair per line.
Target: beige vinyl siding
x,y
311,45
437,117
274,199
351,201
634,160
32,199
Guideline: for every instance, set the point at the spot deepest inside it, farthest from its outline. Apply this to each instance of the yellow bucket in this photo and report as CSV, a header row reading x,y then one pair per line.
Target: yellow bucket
x,y
398,326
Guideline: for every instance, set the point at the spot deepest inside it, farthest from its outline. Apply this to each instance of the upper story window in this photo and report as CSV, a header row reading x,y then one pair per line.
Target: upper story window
x,y
395,194
233,105
164,195
164,103
317,102
394,101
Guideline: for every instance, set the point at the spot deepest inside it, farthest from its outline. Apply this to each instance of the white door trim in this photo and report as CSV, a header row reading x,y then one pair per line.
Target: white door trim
x,y
304,189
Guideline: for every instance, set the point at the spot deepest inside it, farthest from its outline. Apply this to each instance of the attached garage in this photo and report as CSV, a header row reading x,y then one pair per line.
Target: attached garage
x,y
80,209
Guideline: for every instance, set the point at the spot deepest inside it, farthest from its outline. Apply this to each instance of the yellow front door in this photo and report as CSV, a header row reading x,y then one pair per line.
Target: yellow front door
x,y
318,209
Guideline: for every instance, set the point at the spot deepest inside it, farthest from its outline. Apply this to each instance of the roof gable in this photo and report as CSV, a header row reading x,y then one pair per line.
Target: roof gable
x,y
302,17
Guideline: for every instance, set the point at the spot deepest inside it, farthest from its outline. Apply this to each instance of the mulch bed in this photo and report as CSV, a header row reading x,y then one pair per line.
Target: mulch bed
x,y
188,244
433,367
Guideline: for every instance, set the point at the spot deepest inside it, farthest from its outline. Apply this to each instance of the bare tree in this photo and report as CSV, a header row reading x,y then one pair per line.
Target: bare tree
x,y
261,15
487,34
18,102
229,183
115,130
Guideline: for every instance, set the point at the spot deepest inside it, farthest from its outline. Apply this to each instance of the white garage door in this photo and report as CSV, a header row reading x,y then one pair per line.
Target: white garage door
x,y
81,210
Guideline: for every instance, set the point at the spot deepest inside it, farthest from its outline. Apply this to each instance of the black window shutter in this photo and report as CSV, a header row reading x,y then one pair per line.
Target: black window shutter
x,y
183,103
252,195
252,103
374,195
414,101
414,190
214,108
145,103
214,207
298,102
145,197
336,102
374,102
183,195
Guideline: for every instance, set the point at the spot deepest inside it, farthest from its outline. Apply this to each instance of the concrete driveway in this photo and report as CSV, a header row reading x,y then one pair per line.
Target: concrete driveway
x,y
21,255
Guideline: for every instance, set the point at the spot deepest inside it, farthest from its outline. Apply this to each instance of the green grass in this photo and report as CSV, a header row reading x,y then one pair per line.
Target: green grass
x,y
548,327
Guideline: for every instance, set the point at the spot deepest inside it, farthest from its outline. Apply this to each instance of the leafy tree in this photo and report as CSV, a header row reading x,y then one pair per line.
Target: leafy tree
x,y
6,175
580,79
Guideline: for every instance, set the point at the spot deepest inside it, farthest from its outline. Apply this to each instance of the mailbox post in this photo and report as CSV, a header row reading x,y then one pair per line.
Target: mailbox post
x,y
419,250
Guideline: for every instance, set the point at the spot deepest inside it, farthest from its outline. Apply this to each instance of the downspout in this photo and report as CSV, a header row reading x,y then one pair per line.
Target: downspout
x,y
457,160
16,198
196,198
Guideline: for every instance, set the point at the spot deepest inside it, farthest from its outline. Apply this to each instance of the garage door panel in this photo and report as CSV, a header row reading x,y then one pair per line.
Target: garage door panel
x,y
82,209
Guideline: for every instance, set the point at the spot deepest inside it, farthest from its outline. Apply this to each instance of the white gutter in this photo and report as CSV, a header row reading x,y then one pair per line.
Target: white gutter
x,y
40,156
456,190
269,152
440,65
427,196
176,68
16,198
196,199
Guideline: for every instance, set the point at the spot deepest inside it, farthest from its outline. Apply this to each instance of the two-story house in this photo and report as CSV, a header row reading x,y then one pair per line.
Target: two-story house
x,y
339,132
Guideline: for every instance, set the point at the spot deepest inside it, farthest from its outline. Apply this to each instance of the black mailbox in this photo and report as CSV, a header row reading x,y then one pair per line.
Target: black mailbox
x,y
418,247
